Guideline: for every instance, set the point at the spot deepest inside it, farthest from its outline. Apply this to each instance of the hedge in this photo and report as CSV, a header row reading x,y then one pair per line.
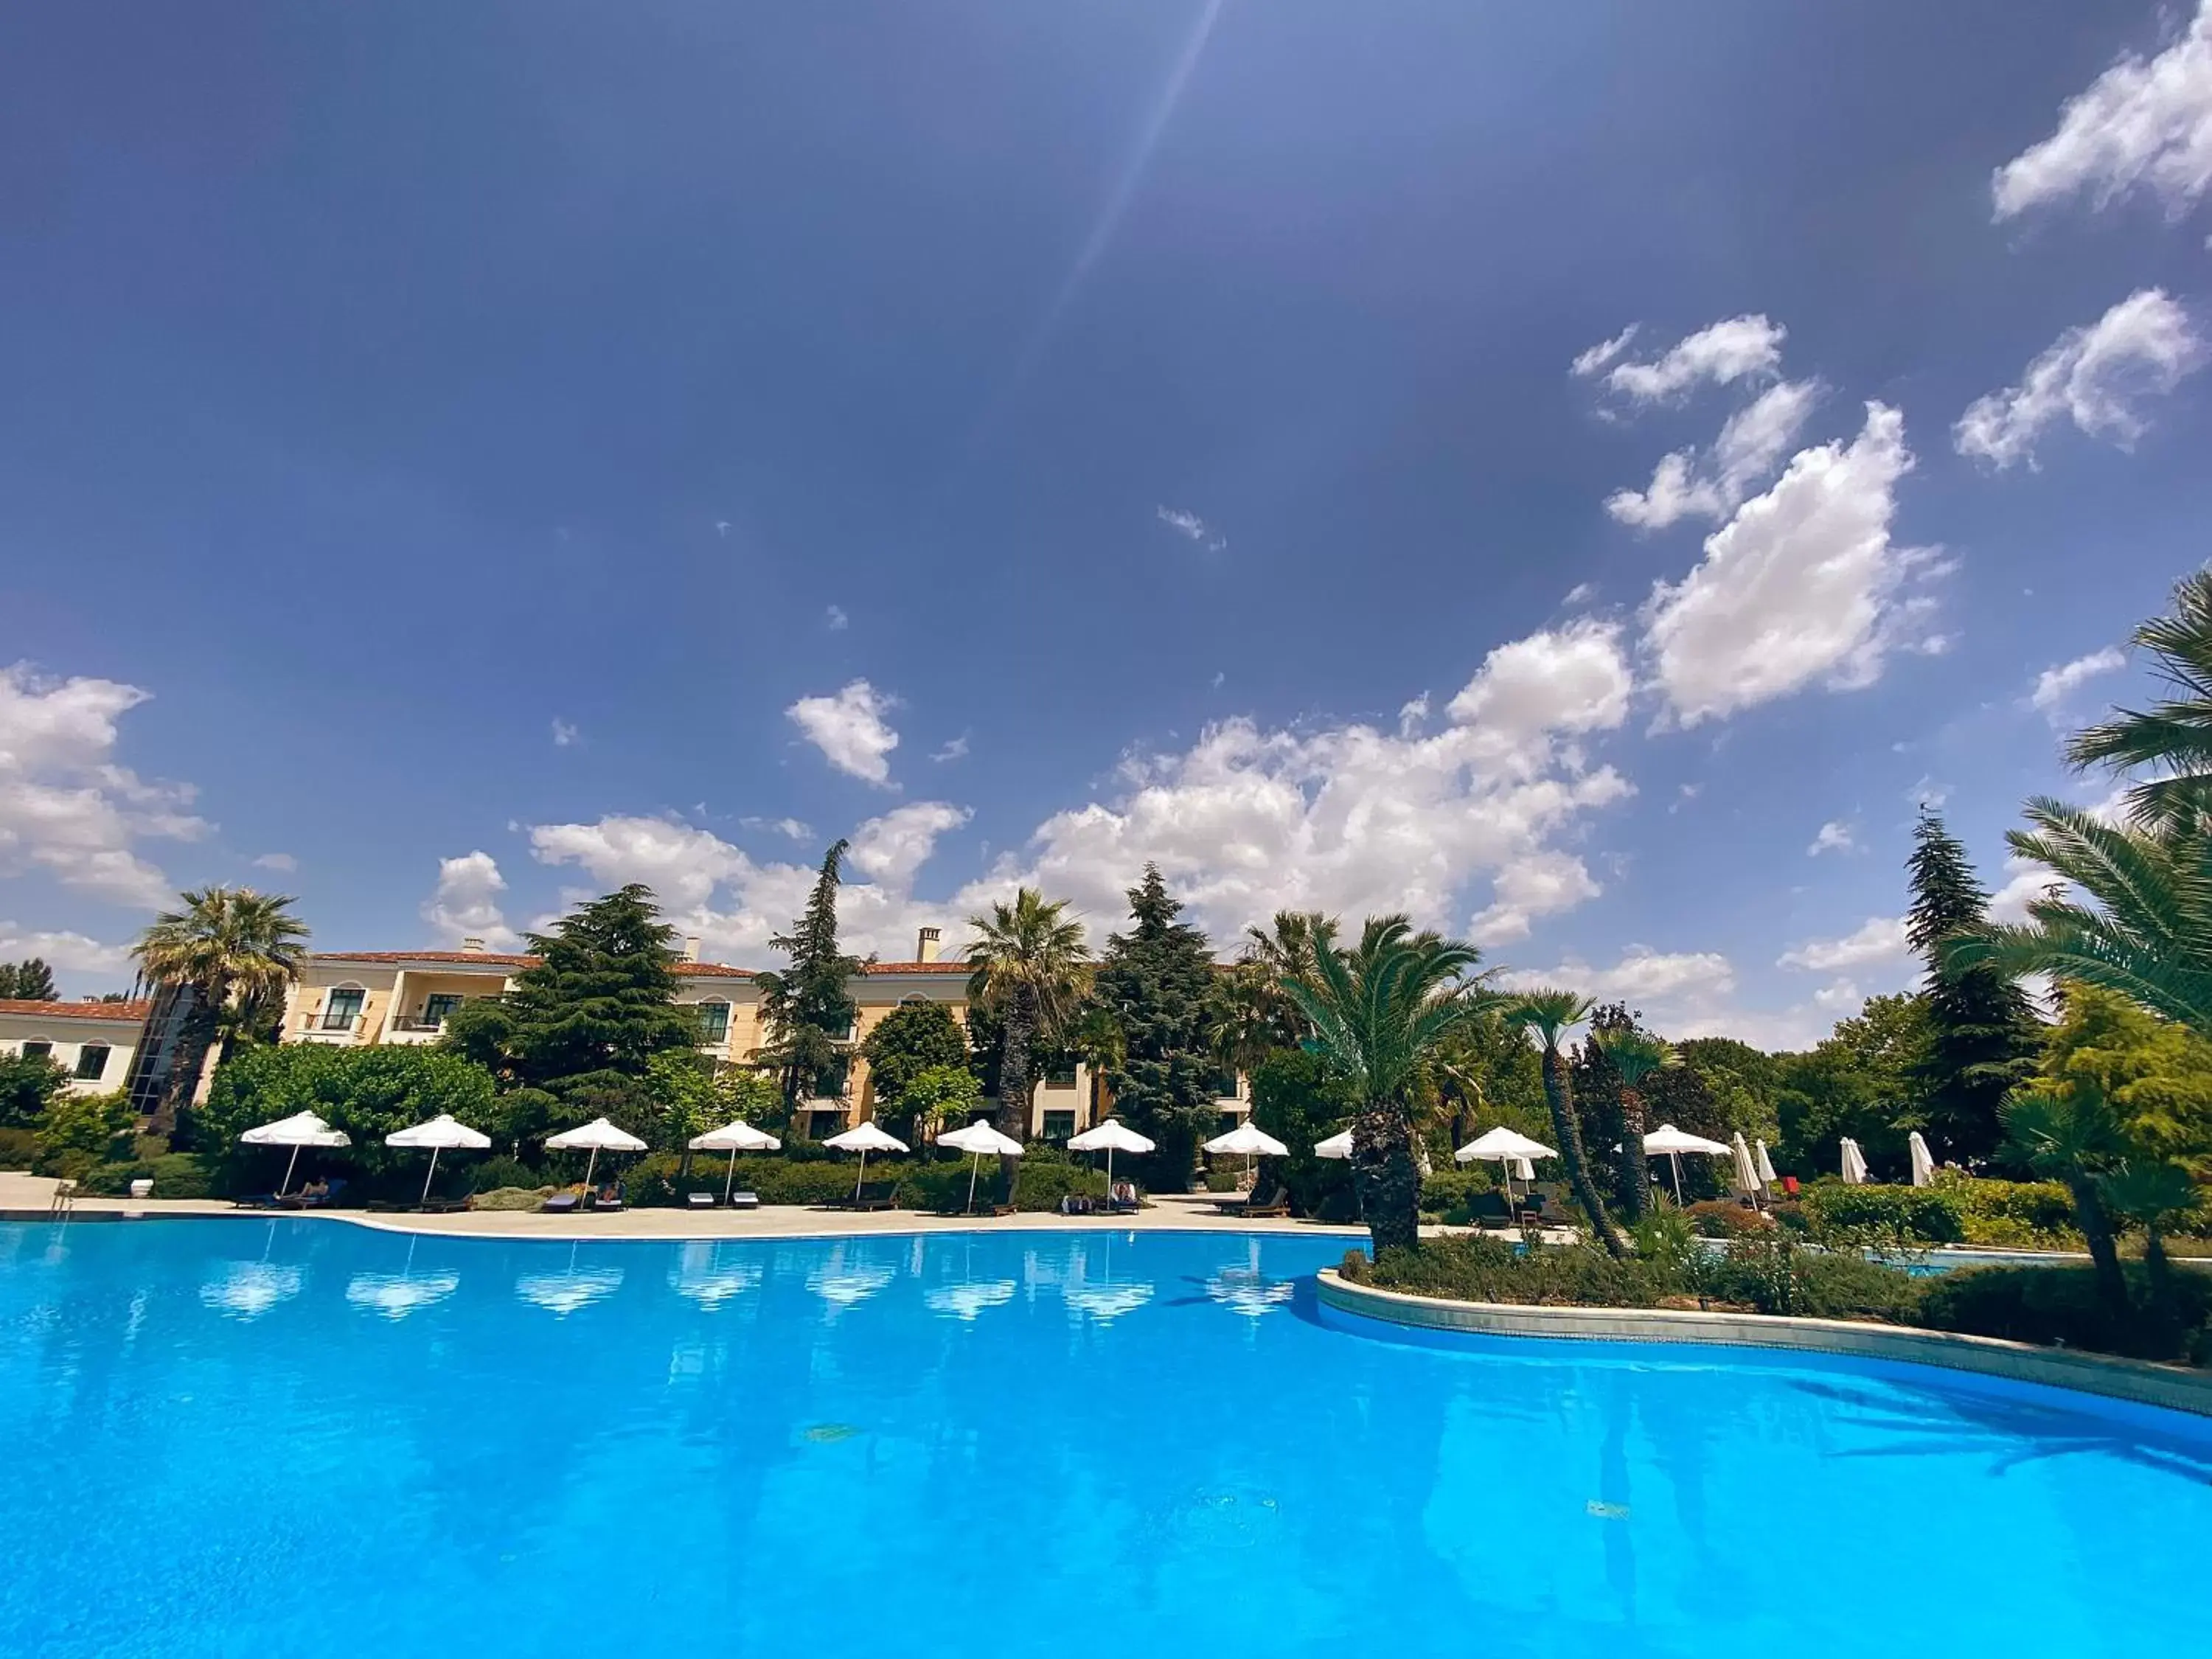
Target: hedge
x,y
2061,1304
1840,1214
17,1146
174,1174
1041,1183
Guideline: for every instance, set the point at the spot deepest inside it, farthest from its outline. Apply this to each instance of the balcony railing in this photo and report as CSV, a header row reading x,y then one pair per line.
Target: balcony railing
x,y
418,1022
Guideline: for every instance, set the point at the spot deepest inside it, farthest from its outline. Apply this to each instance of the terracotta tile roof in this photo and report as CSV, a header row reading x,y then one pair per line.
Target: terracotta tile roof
x,y
133,1011
714,970
951,966
503,959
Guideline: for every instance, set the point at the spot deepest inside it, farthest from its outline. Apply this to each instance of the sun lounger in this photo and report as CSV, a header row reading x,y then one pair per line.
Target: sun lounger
x,y
1489,1210
873,1195
745,1201
563,1204
701,1201
444,1206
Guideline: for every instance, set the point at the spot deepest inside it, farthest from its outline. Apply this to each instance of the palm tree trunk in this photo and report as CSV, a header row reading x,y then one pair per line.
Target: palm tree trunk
x,y
1382,1169
2156,1269
1559,1095
2097,1230
1635,1176
1014,1085
195,1037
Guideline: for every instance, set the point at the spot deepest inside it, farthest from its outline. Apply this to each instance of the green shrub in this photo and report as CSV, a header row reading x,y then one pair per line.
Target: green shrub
x,y
1448,1192
486,1174
29,1085
368,1092
174,1174
2061,1305
82,1131
1223,1181
1475,1268
1723,1218
2019,1215
1883,1217
17,1147
1773,1274
939,1185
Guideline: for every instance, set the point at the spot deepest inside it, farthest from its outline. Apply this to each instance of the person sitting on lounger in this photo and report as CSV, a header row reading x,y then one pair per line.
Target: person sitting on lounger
x,y
314,1192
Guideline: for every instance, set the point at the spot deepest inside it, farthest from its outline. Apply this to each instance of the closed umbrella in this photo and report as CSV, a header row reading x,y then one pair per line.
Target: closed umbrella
x,y
733,1138
864,1139
1746,1167
441,1133
1247,1141
1674,1142
1508,1148
1853,1161
1337,1145
1923,1161
979,1139
300,1129
1765,1164
596,1137
1110,1137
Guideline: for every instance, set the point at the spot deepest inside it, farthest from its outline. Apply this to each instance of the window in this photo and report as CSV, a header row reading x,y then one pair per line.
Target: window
x,y
1058,1126
1228,1120
435,1009
343,1008
823,1125
713,1022
91,1062
39,1049
1061,1077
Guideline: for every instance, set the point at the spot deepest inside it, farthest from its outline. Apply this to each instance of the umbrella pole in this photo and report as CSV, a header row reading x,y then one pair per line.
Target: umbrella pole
x,y
975,1168
860,1179
428,1176
1109,1177
730,1180
591,1164
1676,1159
290,1164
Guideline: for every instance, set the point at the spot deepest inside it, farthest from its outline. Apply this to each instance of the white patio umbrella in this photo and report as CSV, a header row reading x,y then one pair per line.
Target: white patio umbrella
x,y
441,1133
1674,1142
597,1136
1247,1141
1746,1167
980,1137
1110,1137
864,1139
1765,1164
1923,1161
300,1129
1853,1161
1508,1148
735,1137
1337,1145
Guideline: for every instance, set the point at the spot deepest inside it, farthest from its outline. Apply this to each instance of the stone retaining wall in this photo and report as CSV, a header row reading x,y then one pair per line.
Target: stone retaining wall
x,y
2174,1387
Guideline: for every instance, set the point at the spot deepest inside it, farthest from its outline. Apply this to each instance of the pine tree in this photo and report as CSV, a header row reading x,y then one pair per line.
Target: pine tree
x,y
808,1008
580,1028
1158,982
1983,1037
30,980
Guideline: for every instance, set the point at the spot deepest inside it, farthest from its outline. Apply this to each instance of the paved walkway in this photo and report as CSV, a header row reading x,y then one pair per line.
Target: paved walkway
x,y
25,1197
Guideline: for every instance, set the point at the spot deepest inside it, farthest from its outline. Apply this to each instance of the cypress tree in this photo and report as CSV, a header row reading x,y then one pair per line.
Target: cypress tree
x,y
809,1008
1983,1037
1158,982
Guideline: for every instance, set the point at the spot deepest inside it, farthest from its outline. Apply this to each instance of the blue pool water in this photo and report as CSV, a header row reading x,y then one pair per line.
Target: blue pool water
x,y
287,1437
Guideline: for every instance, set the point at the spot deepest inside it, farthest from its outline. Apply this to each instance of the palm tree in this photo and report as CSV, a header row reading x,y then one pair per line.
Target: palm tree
x,y
1031,970
2172,737
2067,1129
2146,933
1272,955
2153,1195
235,950
1547,1014
1635,1057
1379,1011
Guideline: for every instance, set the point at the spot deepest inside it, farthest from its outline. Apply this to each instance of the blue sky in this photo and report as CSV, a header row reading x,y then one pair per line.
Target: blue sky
x,y
455,457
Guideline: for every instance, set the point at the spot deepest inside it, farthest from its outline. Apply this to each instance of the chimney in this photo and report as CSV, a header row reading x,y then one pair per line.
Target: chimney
x,y
691,947
473,946
925,949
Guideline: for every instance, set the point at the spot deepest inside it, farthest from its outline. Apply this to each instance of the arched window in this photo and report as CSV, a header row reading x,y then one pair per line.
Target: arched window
x,y
341,1006
91,1062
713,1023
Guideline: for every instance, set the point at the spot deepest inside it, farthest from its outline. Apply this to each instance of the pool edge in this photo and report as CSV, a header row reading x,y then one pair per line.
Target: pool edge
x,y
2140,1382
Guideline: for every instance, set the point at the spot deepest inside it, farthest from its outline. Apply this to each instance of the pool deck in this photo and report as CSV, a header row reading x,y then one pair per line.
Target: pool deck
x,y
30,1198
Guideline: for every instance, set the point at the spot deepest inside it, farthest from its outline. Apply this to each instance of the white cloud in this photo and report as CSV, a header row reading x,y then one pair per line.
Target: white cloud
x,y
1603,353
65,952
953,751
836,620
1539,884
563,733
2025,881
66,808
1723,353
282,863
2142,124
1692,994
466,902
1834,838
1802,586
1877,940
2053,686
850,731
1571,679
893,848
795,828
1750,446
1191,527
1580,593
2094,377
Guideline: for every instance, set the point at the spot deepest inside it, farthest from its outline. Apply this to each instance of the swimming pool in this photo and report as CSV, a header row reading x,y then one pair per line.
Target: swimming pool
x,y
300,1436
